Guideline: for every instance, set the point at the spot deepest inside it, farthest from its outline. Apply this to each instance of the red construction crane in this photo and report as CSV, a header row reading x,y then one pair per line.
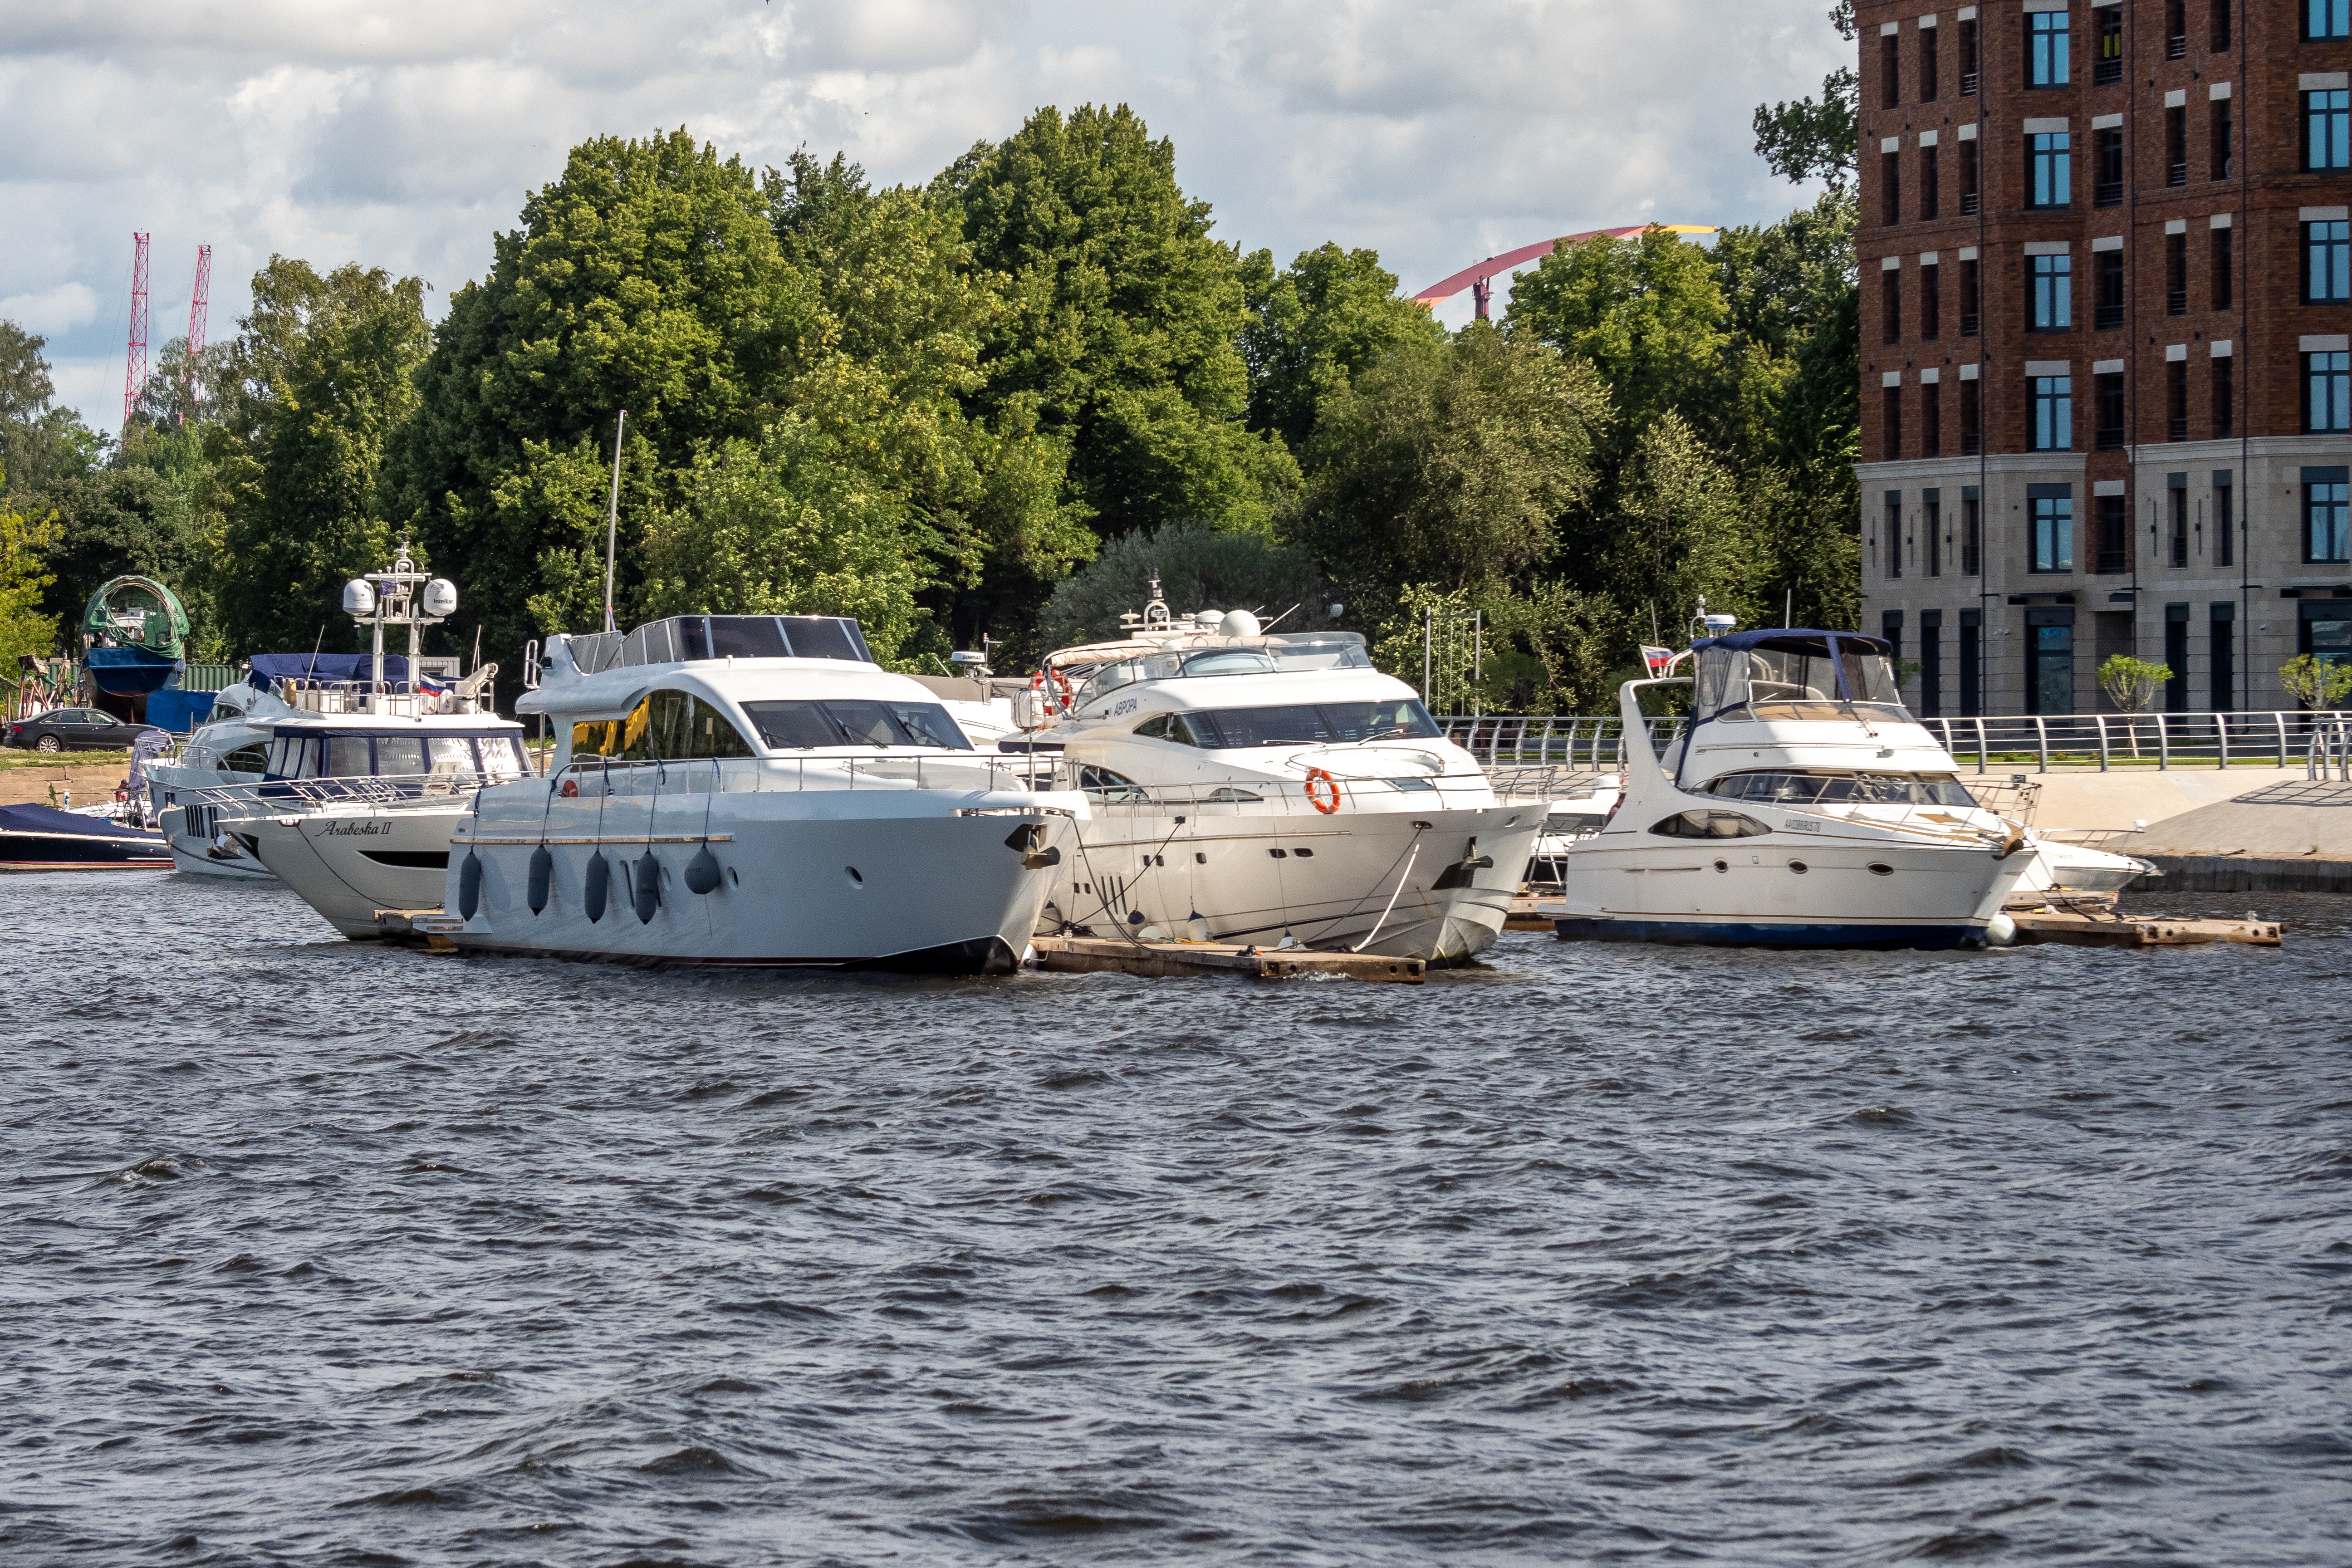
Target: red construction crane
x,y
1479,277
192,370
134,375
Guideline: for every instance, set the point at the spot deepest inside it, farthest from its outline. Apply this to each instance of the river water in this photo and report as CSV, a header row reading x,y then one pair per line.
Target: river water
x,y
316,1253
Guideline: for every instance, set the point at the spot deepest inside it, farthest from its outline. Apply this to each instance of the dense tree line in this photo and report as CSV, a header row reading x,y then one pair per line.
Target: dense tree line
x,y
985,406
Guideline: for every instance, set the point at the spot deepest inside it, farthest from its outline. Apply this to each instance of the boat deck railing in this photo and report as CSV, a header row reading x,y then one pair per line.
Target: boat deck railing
x,y
958,771
274,797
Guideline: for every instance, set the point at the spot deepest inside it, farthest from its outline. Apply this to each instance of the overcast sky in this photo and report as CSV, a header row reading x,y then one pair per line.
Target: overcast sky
x,y
404,135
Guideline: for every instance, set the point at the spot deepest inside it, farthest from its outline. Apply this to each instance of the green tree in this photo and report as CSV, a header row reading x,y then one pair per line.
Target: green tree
x,y
1682,532
647,278
1199,568
1314,327
789,525
2317,682
25,546
1449,464
318,379
1648,313
1121,323
1804,139
39,444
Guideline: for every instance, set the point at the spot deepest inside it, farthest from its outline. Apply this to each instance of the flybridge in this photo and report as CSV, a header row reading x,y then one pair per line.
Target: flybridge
x,y
684,638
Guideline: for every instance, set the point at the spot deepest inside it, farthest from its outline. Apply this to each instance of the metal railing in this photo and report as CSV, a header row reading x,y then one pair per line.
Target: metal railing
x,y
413,792
2329,761
967,771
2026,742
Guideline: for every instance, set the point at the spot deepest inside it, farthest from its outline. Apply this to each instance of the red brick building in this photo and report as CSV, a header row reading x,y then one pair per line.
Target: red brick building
x,y
2106,344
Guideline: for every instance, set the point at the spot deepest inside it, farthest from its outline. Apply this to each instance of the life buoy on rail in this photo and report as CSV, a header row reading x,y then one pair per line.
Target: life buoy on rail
x,y
1318,783
1057,689
569,788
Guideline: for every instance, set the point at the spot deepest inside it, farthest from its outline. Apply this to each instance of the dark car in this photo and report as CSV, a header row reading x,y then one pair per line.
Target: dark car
x,y
75,729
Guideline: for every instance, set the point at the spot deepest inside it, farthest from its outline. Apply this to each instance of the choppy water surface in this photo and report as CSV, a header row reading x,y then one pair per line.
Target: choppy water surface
x,y
321,1253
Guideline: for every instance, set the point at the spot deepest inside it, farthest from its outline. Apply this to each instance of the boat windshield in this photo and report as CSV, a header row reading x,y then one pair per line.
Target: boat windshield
x,y
844,721
1293,724
344,754
1283,657
1823,787
1788,684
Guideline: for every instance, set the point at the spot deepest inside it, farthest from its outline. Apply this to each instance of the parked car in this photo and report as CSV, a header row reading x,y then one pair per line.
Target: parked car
x,y
75,729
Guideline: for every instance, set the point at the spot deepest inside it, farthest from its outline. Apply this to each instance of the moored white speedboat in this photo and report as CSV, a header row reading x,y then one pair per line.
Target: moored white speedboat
x,y
1802,808
755,790
231,747
1270,788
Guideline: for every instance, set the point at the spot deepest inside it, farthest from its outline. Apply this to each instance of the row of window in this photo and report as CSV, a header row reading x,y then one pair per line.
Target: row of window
x,y
2182,532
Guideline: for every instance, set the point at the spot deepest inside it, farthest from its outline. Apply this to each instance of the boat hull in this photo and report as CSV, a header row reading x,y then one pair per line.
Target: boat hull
x,y
199,854
82,852
1389,883
1759,933
816,879
349,864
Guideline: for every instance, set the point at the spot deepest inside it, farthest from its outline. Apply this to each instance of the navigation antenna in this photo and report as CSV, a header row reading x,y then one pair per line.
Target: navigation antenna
x,y
1155,613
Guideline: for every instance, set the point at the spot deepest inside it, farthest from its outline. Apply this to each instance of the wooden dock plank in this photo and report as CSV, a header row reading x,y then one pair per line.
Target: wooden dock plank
x,y
2091,929
1078,955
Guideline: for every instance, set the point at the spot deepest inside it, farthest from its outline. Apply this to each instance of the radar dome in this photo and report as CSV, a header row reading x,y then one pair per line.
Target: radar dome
x,y
440,597
359,597
1238,624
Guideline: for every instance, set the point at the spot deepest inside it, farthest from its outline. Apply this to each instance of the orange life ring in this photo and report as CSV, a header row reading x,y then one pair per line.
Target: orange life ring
x,y
1058,692
1314,776
569,788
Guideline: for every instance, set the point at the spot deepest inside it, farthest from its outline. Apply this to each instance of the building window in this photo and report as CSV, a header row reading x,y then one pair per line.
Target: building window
x,y
2053,294
2175,146
2225,268
2225,516
2054,413
2112,521
2050,661
2050,160
2217,149
2176,274
1967,299
1893,531
2328,520
2107,163
2175,658
2328,130
2107,411
1931,425
1971,631
2053,530
2222,640
2107,291
1930,187
2328,262
1931,523
1972,419
1928,87
1967,59
1890,409
2325,632
1931,303
1971,531
1890,71
1890,305
2045,50
2327,397
1890,187
2225,397
2328,18
2177,513
2175,400
2107,62
2176,29
1968,178
1931,663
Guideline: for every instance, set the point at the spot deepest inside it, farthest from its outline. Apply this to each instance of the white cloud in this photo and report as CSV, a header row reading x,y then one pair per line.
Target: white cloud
x,y
407,135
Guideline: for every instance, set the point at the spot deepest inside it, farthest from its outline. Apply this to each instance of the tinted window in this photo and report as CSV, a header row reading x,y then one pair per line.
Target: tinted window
x,y
666,726
1286,726
449,753
785,726
399,756
253,759
746,637
348,757
825,637
791,726
1710,825
1306,723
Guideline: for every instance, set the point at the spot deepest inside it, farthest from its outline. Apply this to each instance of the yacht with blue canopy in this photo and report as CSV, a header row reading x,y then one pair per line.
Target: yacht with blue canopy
x,y
1802,807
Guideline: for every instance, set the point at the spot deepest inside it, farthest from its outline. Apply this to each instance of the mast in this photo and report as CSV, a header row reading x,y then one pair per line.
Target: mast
x,y
613,517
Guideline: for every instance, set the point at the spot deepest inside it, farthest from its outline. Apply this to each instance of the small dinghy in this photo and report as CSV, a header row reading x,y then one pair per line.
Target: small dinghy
x,y
42,838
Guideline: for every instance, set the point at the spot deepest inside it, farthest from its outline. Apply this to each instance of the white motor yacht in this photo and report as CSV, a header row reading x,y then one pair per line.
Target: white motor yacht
x,y
231,747
1271,789
1803,808
363,781
1566,820
755,790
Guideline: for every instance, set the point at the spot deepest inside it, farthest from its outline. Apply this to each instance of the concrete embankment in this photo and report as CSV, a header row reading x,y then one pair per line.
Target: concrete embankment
x,y
30,783
2211,830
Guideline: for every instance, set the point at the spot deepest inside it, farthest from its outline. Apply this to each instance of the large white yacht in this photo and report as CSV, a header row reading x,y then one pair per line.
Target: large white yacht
x,y
755,790
230,747
1268,788
1803,806
363,780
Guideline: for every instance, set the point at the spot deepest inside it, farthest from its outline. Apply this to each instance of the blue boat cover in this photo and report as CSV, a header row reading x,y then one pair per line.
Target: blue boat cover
x,y
48,819
129,671
179,710
276,667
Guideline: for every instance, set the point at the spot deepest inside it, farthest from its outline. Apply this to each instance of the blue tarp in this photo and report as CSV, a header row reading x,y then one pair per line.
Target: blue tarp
x,y
131,671
48,819
177,710
275,667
